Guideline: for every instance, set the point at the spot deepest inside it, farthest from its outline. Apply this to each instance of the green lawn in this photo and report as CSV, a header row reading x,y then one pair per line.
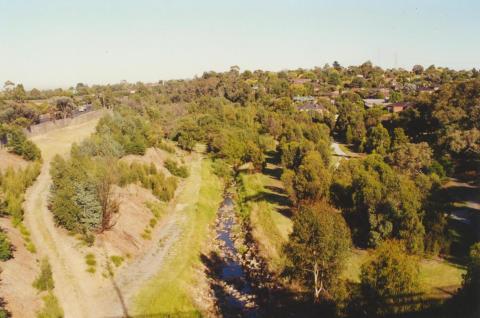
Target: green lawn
x,y
169,293
269,227
437,277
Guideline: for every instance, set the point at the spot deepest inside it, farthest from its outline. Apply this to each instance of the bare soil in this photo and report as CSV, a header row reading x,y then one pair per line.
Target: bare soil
x,y
8,159
80,293
152,155
17,276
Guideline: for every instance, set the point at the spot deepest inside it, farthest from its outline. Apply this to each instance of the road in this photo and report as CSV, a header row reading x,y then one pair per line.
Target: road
x,y
338,152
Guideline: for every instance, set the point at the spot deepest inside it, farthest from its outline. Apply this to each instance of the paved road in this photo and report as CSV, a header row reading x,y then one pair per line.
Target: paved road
x,y
338,152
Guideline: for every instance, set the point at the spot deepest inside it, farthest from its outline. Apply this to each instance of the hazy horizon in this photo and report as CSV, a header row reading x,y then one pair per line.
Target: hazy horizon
x,y
53,44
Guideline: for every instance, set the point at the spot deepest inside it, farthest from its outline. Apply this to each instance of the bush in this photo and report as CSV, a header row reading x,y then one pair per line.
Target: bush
x,y
116,260
90,260
18,143
389,281
163,188
51,307
5,247
175,169
13,185
44,281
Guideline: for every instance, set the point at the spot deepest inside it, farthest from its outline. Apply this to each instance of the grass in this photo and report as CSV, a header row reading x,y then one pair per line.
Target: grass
x,y
51,307
169,293
91,263
44,281
269,227
26,237
158,210
117,260
437,277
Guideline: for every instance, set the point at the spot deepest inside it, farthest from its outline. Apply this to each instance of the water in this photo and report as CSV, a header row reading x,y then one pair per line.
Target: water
x,y
239,299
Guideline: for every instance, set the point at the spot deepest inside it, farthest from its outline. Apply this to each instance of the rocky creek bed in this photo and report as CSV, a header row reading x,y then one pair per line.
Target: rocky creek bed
x,y
238,276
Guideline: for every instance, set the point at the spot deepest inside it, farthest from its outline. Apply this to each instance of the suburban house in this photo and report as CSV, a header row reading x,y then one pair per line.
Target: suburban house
x,y
44,117
399,107
85,108
384,91
303,99
427,89
370,102
301,81
312,107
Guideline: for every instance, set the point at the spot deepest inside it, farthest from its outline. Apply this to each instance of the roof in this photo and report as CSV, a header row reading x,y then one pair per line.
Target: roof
x,y
301,80
303,98
311,106
370,102
400,105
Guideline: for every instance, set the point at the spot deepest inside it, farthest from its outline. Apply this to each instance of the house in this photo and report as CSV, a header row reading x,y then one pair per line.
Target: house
x,y
301,81
370,102
398,107
312,107
85,108
426,89
303,99
44,117
384,91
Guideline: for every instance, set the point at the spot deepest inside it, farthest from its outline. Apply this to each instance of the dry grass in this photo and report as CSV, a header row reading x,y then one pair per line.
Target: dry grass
x,y
8,159
169,293
59,141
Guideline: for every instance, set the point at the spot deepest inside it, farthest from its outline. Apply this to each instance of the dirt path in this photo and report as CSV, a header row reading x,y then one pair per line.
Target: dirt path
x,y
49,240
128,281
80,293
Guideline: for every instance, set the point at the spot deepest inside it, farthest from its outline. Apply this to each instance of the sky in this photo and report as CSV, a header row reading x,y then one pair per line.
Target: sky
x,y
58,43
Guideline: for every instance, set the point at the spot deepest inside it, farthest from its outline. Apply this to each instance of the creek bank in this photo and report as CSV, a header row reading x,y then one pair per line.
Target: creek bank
x,y
239,278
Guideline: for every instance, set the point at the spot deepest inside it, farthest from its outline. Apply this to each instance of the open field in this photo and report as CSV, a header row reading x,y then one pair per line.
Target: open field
x,y
59,141
172,290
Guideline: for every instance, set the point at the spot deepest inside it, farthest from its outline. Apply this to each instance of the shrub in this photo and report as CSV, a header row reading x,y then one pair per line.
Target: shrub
x,y
44,280
389,280
51,307
157,209
168,148
5,247
175,169
90,259
116,260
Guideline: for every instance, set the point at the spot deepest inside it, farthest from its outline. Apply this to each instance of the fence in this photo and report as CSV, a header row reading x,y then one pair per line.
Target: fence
x,y
77,118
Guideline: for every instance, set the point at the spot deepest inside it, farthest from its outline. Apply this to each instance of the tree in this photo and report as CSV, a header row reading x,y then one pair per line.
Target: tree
x,y
388,279
312,180
411,158
106,198
378,140
317,248
8,85
337,66
379,203
465,303
417,69
395,97
19,93
64,107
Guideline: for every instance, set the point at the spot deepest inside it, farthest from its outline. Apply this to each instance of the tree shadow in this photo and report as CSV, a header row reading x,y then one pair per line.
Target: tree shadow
x,y
226,304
